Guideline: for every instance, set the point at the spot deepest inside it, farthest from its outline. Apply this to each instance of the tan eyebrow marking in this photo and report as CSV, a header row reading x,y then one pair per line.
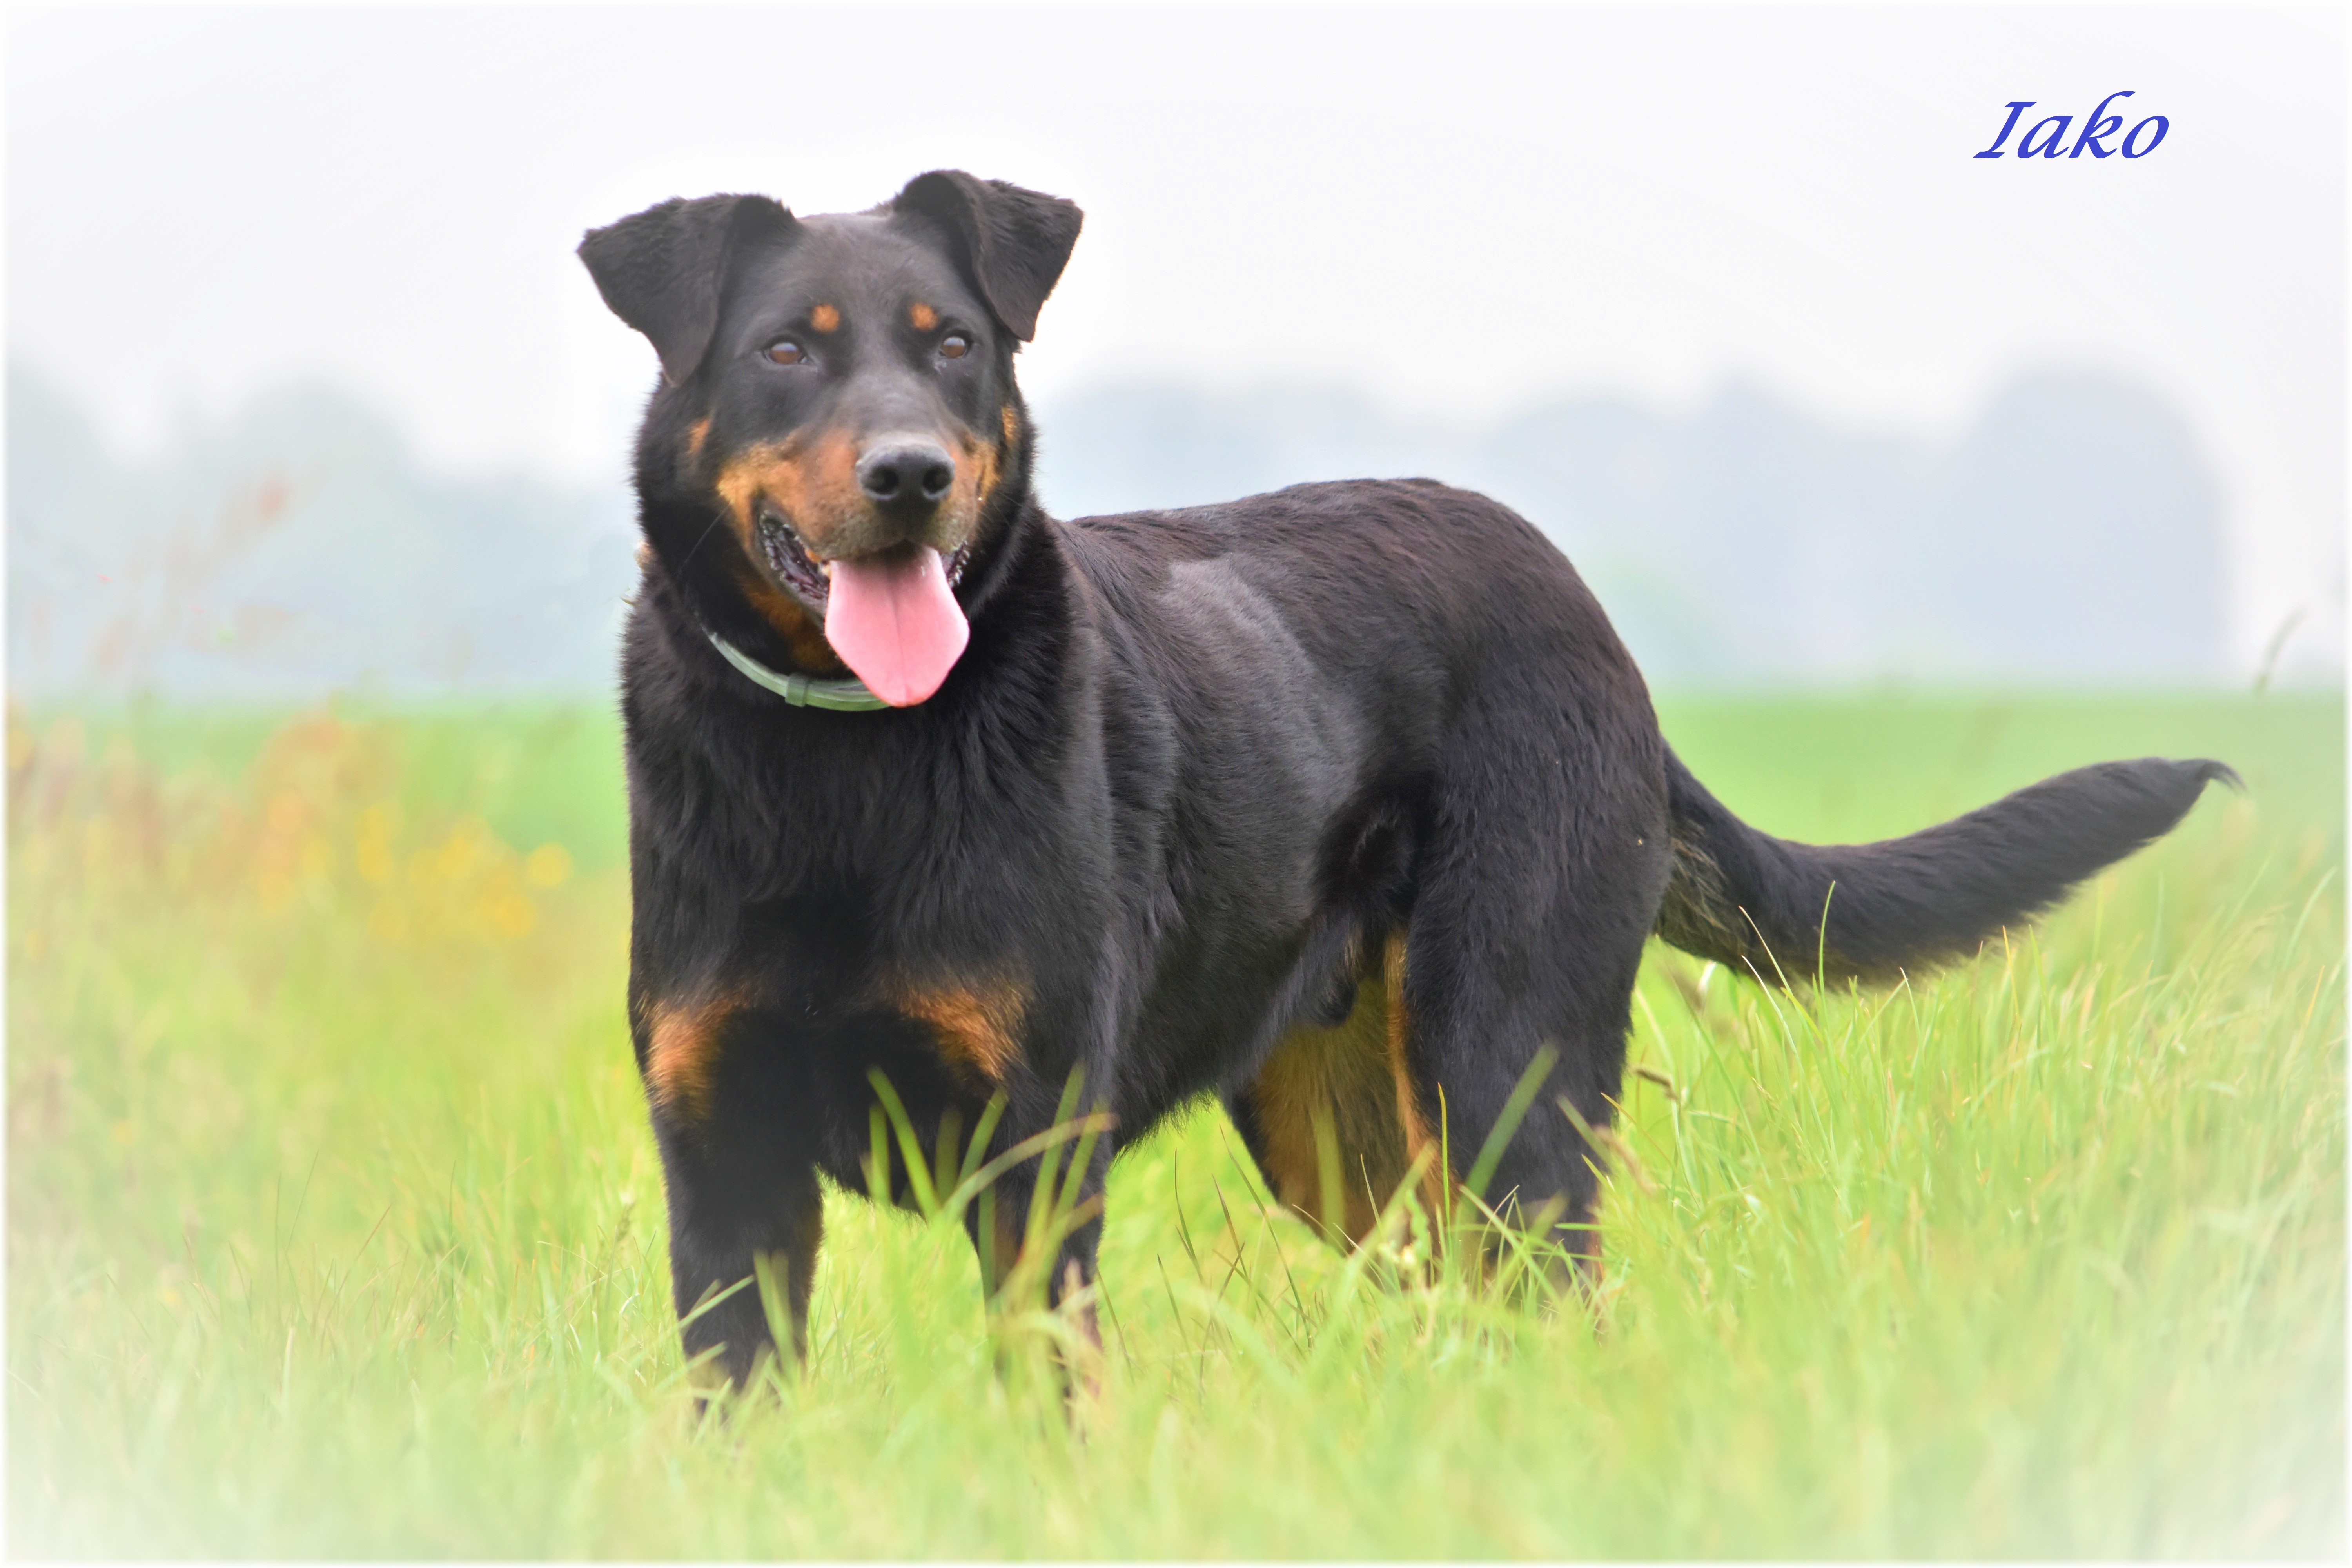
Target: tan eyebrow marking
x,y
825,318
923,316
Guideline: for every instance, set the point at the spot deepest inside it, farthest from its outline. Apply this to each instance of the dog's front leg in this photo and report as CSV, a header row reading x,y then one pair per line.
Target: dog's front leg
x,y
736,1215
746,1215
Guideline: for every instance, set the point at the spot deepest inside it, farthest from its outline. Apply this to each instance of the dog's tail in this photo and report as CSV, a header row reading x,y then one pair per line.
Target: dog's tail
x,y
1788,912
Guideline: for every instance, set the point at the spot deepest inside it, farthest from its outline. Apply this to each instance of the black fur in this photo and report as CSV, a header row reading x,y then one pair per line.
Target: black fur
x,y
1869,911
661,272
1339,802
1011,242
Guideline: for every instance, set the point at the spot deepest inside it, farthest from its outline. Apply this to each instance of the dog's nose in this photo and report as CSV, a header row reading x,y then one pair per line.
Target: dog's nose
x,y
906,476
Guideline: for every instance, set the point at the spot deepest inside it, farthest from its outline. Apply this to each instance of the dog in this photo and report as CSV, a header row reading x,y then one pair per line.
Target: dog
x,y
1343,804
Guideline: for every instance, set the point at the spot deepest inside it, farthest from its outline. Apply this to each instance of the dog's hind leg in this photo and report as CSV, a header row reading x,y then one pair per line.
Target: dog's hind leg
x,y
1536,890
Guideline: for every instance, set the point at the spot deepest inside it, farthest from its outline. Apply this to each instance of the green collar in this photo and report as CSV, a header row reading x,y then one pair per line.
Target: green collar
x,y
846,695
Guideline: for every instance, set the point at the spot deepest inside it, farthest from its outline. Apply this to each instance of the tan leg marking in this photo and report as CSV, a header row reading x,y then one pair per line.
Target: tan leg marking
x,y
682,1053
978,1026
1438,1182
1338,1078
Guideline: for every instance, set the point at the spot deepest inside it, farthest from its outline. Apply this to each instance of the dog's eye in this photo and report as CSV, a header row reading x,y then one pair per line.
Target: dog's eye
x,y
784,351
955,345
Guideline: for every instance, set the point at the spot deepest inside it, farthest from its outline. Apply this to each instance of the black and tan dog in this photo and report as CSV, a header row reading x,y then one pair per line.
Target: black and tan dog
x,y
1339,802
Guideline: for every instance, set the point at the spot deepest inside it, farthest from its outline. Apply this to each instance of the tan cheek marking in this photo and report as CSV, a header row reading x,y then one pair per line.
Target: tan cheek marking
x,y
682,1054
790,620
814,485
744,476
923,316
977,1029
824,318
1011,424
976,476
697,435
786,473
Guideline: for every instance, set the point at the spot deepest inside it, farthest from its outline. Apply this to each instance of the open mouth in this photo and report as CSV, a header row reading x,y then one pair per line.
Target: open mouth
x,y
805,574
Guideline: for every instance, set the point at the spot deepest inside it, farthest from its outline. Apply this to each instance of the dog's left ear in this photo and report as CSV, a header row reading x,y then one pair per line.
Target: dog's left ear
x,y
1015,242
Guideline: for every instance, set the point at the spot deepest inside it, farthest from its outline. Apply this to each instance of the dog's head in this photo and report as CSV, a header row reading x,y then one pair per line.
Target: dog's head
x,y
837,399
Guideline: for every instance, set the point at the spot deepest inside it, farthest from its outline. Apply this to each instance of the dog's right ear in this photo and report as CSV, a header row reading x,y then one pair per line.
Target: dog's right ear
x,y
663,270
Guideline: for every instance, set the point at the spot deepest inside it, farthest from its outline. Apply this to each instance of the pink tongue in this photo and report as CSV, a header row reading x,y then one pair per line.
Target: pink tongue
x,y
893,620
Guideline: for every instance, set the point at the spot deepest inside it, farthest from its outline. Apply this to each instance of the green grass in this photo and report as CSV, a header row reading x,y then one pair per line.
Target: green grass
x,y
334,1226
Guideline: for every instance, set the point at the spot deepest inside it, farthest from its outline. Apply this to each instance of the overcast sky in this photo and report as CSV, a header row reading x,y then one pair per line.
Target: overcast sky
x,y
1453,210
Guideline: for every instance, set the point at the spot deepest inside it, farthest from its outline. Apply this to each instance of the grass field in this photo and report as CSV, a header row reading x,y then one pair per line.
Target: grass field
x,y
334,1226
